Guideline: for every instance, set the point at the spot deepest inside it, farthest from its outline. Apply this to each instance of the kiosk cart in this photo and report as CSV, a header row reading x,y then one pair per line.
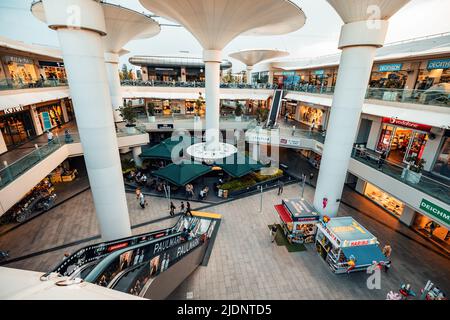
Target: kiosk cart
x,y
347,246
298,220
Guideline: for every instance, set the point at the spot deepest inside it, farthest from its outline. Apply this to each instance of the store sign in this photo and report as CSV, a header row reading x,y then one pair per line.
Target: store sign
x,y
438,64
13,110
19,60
258,138
319,72
46,121
390,67
439,213
407,124
288,142
165,126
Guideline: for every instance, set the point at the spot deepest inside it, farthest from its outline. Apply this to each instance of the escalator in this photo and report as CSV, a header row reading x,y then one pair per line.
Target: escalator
x,y
150,265
274,109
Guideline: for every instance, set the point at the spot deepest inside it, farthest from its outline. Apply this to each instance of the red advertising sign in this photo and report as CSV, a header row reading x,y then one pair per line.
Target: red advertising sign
x,y
117,246
407,124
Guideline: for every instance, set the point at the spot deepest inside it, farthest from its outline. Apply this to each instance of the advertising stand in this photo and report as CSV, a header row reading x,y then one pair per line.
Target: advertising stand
x,y
298,220
347,246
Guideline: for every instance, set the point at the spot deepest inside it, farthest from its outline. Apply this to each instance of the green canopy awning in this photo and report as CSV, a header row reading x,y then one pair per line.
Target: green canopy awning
x,y
238,165
181,174
162,150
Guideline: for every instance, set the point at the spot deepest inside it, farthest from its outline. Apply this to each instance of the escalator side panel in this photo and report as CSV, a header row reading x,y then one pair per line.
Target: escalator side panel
x,y
275,108
166,282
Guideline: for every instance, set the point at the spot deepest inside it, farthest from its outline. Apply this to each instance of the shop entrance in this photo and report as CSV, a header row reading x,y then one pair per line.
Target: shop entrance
x,y
17,128
401,143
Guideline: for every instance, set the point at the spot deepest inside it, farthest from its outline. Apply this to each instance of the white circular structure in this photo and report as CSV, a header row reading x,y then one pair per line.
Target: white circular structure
x,y
200,152
360,37
214,23
252,57
121,26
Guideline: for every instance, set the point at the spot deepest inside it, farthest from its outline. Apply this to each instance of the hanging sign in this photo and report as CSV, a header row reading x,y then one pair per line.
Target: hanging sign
x,y
438,64
437,212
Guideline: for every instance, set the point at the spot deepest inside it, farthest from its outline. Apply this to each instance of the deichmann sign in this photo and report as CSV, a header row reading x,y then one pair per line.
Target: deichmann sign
x,y
390,67
438,64
407,124
436,211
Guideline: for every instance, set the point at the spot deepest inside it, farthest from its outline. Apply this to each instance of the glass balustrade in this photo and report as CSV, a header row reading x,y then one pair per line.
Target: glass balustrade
x,y
12,84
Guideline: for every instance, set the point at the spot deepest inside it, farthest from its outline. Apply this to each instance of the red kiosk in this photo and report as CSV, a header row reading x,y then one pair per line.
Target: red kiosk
x,y
298,219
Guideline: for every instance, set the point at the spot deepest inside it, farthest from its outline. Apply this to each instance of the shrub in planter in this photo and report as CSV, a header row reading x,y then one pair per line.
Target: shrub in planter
x,y
151,112
238,184
127,113
238,112
259,177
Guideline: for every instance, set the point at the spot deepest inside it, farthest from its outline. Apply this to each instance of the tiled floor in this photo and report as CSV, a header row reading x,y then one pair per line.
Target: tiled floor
x,y
244,264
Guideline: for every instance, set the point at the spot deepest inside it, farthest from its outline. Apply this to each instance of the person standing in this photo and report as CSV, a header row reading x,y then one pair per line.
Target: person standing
x,y
142,201
138,192
188,209
49,136
381,160
273,232
311,177
280,187
293,130
172,209
387,251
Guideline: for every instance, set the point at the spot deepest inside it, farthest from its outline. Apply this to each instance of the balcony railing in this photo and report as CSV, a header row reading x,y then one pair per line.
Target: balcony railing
x,y
11,84
10,172
195,84
401,173
438,97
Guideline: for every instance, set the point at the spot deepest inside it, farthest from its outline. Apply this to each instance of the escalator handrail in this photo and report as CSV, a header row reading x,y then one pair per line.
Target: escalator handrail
x,y
109,243
102,265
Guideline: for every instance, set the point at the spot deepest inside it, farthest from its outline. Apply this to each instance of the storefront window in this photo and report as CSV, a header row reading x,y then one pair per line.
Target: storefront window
x,y
50,116
435,231
310,115
16,128
442,164
21,70
385,200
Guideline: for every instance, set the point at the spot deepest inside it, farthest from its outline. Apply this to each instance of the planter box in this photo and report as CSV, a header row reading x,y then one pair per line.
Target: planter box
x,y
131,130
413,177
151,119
238,119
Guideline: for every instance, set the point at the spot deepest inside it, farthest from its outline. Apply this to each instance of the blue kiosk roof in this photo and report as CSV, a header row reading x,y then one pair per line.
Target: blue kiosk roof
x,y
350,232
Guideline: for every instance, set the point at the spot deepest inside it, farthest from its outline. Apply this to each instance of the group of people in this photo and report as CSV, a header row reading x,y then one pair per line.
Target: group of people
x,y
186,210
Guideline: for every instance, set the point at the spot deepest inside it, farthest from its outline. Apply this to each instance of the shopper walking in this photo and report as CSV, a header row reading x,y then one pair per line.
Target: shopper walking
x,y
273,232
138,192
188,209
280,187
293,130
172,209
182,207
387,251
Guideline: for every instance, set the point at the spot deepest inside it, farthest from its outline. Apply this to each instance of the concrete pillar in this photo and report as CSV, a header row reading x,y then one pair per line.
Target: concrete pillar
x,y
64,111
80,38
137,160
249,74
144,73
3,147
35,118
212,59
112,71
408,216
358,43
374,134
412,77
270,77
360,186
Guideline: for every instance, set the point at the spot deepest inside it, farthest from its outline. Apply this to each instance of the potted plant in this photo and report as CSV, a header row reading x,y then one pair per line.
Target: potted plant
x,y
238,112
414,169
128,115
151,112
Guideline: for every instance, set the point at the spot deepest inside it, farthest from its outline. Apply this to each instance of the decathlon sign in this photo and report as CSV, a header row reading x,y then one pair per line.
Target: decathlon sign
x,y
438,64
437,212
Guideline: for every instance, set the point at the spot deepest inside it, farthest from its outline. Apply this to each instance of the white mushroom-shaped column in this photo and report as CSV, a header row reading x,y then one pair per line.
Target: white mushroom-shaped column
x,y
214,23
121,26
363,32
252,57
80,25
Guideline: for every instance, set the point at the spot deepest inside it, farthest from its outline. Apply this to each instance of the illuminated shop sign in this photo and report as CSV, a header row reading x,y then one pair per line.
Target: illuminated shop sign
x,y
319,72
19,60
13,110
390,67
437,212
438,64
407,124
